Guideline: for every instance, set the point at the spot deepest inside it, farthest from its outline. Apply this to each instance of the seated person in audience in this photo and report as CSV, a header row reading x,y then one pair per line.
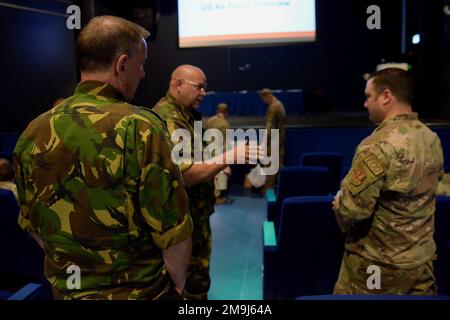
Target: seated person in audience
x,y
7,177
275,119
97,186
386,203
219,121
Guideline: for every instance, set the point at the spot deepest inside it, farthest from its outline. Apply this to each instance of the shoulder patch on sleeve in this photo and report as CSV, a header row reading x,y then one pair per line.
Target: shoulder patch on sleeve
x,y
374,165
365,171
358,175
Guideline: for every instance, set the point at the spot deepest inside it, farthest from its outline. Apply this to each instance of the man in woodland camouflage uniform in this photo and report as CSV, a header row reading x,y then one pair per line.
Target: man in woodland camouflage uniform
x,y
387,201
186,90
97,186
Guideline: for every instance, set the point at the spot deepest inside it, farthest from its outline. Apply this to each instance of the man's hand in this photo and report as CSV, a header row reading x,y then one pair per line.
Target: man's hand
x,y
243,153
227,171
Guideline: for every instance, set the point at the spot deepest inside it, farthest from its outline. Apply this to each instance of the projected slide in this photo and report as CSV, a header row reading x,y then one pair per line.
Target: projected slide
x,y
203,23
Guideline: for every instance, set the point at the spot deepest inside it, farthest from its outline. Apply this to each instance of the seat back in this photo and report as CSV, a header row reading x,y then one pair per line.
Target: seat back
x,y
330,160
442,239
310,247
298,181
20,254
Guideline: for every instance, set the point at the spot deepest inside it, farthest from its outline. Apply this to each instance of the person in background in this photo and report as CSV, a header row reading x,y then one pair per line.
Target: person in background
x,y
219,121
386,203
7,177
97,187
275,119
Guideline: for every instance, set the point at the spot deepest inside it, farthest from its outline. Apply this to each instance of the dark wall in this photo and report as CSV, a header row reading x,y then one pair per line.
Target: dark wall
x,y
445,75
329,70
37,61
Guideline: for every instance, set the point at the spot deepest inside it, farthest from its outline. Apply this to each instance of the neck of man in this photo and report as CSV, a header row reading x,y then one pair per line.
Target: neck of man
x,y
105,77
398,109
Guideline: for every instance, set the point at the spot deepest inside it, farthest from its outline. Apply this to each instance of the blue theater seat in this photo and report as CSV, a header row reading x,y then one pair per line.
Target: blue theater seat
x,y
6,155
296,181
21,258
442,238
330,160
306,257
31,291
8,141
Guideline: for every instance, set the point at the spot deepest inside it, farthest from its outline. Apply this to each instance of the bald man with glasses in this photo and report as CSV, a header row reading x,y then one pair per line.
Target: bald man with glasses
x,y
187,89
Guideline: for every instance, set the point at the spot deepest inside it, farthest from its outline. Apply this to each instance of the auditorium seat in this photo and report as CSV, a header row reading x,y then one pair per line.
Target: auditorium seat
x,y
442,238
8,141
331,160
306,257
21,258
296,181
31,291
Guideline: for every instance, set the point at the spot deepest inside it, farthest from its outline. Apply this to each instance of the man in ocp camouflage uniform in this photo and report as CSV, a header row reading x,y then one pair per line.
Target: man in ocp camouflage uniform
x,y
187,88
219,122
275,119
387,201
97,186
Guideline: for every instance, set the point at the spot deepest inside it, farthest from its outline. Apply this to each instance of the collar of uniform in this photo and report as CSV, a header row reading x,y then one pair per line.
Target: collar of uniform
x,y
400,117
98,88
187,114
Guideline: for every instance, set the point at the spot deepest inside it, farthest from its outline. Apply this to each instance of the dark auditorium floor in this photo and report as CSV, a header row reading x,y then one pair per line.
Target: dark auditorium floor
x,y
237,248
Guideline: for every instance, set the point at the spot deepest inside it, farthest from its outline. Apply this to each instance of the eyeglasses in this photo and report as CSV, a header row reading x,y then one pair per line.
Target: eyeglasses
x,y
198,86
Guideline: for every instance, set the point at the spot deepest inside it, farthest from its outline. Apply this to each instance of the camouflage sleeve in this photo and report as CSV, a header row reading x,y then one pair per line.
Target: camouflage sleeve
x,y
361,188
440,156
162,198
174,123
20,179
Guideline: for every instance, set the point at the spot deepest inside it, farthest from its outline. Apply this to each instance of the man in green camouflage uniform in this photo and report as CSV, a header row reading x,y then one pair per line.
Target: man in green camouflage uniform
x,y
219,122
275,118
97,186
387,201
186,91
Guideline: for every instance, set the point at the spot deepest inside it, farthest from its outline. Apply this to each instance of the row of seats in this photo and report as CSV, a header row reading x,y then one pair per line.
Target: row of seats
x,y
22,260
303,245
304,255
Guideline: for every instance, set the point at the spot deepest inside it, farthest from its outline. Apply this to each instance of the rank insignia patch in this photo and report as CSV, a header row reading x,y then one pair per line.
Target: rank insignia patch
x,y
374,165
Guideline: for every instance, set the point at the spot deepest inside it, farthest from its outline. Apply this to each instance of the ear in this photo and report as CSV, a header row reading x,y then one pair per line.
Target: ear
x,y
386,96
121,64
178,84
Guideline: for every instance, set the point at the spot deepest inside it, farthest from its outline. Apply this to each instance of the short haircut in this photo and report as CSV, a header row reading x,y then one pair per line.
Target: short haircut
x,y
265,92
104,38
397,80
222,107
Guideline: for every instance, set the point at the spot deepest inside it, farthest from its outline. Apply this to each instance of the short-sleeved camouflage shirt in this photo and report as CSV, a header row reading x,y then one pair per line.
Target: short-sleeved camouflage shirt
x,y
97,184
201,196
387,200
